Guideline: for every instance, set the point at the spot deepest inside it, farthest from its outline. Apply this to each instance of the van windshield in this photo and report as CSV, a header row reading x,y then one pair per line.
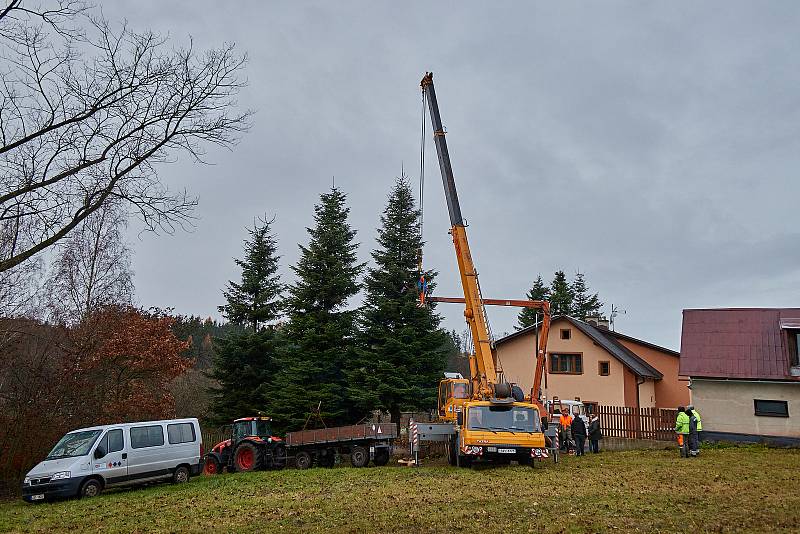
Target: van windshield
x,y
74,444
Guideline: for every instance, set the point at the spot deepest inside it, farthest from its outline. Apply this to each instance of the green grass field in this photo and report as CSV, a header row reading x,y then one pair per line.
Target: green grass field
x,y
750,489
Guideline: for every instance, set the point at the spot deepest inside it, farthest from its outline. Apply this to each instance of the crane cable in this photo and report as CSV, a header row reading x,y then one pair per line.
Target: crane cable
x,y
422,284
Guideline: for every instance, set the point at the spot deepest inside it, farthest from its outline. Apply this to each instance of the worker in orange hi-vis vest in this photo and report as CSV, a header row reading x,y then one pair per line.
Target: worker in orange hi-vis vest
x,y
566,423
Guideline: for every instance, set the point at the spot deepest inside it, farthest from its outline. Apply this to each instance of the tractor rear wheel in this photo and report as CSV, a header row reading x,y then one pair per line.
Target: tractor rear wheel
x,y
359,456
303,460
247,457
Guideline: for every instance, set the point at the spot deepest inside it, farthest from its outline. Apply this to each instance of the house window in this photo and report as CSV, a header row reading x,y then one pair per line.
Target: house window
x,y
566,363
604,368
794,347
771,408
566,333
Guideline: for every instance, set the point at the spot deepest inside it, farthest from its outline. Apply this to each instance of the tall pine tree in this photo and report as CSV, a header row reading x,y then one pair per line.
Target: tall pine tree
x,y
528,316
584,303
243,366
244,362
321,330
256,299
560,295
402,350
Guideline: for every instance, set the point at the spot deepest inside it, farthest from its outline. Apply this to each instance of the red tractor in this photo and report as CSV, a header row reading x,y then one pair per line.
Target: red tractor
x,y
250,447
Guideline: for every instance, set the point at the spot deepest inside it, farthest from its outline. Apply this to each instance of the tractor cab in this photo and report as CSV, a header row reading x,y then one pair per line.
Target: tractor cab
x,y
259,427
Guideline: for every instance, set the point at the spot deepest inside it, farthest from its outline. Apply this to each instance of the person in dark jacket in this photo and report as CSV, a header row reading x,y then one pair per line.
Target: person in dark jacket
x,y
694,441
578,428
595,435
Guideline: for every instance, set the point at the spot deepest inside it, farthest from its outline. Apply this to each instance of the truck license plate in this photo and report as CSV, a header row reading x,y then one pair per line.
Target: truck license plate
x,y
507,451
37,497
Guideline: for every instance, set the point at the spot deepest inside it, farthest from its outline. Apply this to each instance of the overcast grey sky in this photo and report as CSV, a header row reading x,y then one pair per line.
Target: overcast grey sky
x,y
653,146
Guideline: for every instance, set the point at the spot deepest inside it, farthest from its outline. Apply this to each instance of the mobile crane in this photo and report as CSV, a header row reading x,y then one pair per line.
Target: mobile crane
x,y
492,421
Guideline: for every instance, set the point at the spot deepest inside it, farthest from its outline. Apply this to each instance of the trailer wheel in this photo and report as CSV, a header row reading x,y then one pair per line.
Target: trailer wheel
x,y
381,457
359,456
247,457
303,460
327,459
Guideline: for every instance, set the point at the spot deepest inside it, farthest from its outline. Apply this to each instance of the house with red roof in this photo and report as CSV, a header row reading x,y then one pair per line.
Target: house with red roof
x,y
744,370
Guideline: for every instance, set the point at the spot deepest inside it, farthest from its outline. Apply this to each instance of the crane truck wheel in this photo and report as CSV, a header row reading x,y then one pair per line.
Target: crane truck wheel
x,y
359,456
303,460
451,453
247,457
381,457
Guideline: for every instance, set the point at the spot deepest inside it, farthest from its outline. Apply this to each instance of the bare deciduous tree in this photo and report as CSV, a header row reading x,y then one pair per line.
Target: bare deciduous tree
x,y
93,267
88,110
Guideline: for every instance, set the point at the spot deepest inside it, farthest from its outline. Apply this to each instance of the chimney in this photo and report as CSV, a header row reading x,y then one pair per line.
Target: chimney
x,y
598,321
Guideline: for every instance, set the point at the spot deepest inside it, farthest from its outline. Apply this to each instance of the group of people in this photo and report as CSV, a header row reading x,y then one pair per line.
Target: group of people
x,y
575,432
688,427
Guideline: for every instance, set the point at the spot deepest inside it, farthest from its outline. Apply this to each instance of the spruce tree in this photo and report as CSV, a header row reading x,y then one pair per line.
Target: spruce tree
x,y
402,350
584,303
244,361
243,366
256,299
560,295
528,316
321,330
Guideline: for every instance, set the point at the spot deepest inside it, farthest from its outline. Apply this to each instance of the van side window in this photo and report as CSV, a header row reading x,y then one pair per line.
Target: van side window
x,y
147,436
115,443
180,433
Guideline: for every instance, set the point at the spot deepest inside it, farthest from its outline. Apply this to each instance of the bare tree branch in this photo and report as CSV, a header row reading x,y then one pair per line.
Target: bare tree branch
x,y
87,117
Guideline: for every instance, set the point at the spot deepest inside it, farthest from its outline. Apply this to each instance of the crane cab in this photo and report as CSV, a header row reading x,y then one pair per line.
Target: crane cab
x,y
454,392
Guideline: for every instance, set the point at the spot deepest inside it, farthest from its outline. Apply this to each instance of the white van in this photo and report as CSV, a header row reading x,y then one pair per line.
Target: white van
x,y
86,461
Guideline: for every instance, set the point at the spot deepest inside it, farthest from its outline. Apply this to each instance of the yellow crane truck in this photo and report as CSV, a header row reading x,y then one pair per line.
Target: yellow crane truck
x,y
483,417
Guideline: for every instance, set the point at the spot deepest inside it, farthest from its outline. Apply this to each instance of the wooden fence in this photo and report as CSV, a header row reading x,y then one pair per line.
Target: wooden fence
x,y
644,423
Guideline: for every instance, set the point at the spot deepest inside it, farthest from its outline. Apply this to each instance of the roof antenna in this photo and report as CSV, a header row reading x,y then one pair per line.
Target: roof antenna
x,y
614,312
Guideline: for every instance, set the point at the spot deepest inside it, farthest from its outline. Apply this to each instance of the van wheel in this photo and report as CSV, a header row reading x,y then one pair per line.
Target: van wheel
x,y
180,475
359,457
90,488
303,460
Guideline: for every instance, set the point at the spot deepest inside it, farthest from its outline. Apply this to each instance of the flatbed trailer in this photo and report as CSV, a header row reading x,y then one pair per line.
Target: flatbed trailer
x,y
361,443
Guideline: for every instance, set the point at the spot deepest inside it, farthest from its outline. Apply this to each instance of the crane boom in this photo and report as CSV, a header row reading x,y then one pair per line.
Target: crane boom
x,y
485,381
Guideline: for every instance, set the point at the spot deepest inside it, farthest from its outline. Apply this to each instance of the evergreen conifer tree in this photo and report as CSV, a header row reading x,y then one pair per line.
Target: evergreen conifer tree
x,y
402,350
244,361
321,331
256,299
560,295
584,303
243,366
528,316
